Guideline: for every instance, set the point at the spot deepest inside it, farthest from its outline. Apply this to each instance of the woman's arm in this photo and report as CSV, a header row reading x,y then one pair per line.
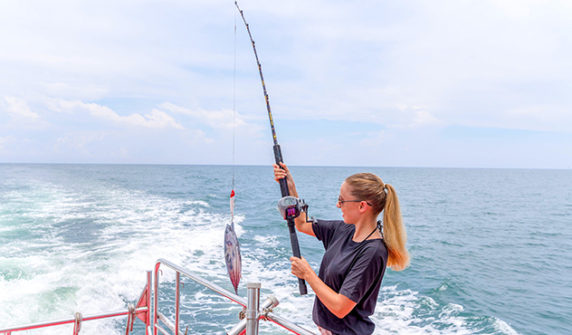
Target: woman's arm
x,y
281,172
336,303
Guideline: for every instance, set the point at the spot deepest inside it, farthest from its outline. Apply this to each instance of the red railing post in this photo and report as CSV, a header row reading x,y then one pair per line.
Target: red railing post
x,y
156,297
148,319
77,323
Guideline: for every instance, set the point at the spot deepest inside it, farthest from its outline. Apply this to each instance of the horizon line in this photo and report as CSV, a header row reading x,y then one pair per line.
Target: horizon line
x,y
291,165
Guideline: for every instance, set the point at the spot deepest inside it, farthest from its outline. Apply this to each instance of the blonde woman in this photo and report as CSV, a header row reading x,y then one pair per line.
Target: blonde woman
x,y
357,252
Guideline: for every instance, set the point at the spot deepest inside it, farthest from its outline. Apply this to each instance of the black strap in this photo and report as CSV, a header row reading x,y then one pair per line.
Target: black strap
x,y
377,227
373,231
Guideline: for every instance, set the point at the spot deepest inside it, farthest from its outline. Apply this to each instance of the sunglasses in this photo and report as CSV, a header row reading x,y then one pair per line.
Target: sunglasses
x,y
341,202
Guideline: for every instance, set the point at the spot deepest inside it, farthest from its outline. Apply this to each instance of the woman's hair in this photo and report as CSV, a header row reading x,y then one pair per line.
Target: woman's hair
x,y
382,197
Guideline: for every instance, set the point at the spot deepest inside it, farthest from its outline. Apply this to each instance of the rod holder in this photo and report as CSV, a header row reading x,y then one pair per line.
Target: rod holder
x,y
252,306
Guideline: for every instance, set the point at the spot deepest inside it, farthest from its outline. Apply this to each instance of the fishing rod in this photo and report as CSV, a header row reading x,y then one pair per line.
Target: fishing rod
x,y
278,158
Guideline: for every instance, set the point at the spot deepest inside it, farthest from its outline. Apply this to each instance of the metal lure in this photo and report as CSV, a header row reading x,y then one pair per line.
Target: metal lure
x,y
232,249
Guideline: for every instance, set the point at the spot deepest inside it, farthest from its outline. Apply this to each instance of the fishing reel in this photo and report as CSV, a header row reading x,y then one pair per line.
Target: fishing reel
x,y
290,208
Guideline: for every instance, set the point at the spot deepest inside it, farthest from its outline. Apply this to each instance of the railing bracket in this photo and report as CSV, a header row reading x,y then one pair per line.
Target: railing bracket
x,y
242,314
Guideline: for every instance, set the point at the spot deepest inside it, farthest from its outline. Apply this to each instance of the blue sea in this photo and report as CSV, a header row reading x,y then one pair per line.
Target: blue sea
x,y
491,248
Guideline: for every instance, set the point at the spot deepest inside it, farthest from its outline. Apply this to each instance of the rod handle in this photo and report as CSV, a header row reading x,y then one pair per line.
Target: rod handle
x,y
296,253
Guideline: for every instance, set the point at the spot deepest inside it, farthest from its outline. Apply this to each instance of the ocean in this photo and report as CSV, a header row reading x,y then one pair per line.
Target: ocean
x,y
491,248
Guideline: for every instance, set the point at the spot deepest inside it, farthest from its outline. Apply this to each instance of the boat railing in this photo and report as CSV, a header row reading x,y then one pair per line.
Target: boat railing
x,y
253,310
142,311
249,318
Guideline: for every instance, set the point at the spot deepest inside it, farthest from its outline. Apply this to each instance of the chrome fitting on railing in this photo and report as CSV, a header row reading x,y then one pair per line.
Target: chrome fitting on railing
x,y
266,307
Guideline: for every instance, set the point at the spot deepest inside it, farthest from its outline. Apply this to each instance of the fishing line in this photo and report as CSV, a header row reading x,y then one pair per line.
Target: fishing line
x,y
232,256
234,108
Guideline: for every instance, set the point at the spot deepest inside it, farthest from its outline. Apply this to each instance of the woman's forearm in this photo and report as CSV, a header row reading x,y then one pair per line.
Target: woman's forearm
x,y
336,303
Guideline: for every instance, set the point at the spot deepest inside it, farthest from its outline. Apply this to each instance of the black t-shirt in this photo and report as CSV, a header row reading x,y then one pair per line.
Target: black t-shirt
x,y
352,269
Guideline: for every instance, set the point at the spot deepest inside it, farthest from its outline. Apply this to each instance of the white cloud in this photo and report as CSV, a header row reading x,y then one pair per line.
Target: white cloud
x,y
424,118
218,119
155,119
62,106
3,141
19,108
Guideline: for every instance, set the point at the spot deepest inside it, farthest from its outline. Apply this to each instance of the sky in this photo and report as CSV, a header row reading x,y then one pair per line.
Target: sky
x,y
452,83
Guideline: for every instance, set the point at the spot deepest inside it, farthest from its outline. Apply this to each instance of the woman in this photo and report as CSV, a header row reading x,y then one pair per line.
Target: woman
x,y
357,253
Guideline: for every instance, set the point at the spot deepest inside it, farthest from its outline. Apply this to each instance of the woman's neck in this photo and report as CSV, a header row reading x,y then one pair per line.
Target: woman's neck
x,y
364,228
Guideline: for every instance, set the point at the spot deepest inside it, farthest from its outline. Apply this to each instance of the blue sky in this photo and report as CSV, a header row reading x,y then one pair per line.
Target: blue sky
x,y
370,83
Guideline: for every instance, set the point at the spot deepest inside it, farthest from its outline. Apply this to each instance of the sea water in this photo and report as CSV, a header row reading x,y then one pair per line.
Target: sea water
x,y
491,248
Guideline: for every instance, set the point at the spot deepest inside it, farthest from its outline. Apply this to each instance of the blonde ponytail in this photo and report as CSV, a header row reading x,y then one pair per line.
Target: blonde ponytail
x,y
394,233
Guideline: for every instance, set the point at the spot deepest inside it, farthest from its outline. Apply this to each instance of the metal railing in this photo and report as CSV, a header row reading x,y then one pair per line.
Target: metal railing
x,y
253,310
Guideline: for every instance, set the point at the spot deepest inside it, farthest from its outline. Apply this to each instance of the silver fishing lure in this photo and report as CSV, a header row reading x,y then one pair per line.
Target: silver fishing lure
x,y
232,249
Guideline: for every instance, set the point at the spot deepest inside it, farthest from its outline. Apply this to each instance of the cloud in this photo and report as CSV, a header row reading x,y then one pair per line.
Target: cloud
x,y
18,108
424,118
155,119
469,63
223,119
3,141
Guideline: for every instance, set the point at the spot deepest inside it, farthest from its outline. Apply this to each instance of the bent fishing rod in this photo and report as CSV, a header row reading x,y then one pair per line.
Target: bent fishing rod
x,y
278,158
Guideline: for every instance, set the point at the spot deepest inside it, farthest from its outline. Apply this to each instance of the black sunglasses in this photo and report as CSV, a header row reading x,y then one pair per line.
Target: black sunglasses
x,y
341,202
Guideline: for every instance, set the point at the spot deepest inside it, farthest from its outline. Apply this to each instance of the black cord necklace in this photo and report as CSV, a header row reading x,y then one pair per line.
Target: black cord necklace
x,y
378,226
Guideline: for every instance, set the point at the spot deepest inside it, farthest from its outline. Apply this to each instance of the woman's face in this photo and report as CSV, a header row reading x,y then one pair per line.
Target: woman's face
x,y
350,210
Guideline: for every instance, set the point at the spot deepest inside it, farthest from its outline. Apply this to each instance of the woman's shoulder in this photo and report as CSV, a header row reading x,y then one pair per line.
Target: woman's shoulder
x,y
329,224
326,230
375,248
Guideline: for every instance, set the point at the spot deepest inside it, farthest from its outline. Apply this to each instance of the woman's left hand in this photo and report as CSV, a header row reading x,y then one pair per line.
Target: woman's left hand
x,y
301,268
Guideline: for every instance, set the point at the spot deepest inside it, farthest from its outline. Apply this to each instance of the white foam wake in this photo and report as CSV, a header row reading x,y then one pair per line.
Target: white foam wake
x,y
89,252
